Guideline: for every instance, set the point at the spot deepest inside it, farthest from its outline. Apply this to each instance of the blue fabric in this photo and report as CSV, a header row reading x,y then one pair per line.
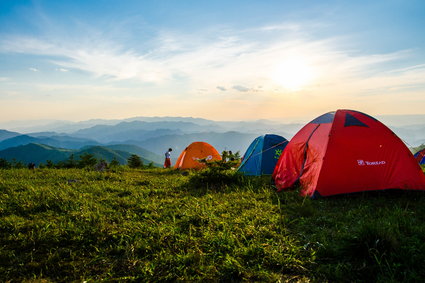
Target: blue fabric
x,y
350,120
422,161
324,119
251,163
262,155
272,149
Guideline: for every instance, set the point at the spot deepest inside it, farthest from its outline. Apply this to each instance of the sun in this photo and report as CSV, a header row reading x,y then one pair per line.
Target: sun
x,y
293,73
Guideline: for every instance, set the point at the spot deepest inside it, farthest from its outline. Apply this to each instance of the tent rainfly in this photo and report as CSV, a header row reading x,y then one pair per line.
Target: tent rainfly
x,y
346,152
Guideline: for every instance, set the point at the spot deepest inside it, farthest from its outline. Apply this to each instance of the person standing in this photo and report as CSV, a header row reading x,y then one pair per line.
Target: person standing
x,y
167,162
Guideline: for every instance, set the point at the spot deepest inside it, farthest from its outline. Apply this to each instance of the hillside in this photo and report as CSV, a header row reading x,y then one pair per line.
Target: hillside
x,y
17,140
159,225
54,141
7,134
36,153
39,153
104,153
108,154
133,149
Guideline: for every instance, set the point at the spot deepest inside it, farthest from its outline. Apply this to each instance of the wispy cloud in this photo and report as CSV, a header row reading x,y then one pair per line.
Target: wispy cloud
x,y
33,69
281,27
230,60
240,88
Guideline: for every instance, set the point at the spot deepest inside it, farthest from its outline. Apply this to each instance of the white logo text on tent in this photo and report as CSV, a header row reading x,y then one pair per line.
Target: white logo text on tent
x,y
362,162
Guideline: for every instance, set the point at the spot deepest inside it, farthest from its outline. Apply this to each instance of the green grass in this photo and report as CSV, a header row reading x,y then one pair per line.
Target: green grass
x,y
161,225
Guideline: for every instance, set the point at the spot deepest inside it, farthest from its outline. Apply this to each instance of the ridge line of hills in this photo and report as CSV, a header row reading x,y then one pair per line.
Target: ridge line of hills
x,y
41,153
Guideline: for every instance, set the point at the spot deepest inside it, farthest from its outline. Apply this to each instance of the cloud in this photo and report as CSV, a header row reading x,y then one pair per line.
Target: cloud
x,y
281,27
209,60
241,88
33,69
4,79
27,45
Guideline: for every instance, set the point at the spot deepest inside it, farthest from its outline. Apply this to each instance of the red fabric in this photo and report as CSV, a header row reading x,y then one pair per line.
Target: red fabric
x,y
345,159
167,163
299,156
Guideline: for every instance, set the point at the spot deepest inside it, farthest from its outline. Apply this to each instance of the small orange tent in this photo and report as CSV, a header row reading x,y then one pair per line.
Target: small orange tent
x,y
188,159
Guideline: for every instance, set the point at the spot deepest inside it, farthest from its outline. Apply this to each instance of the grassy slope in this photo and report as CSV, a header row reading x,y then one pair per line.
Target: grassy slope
x,y
139,151
65,225
35,152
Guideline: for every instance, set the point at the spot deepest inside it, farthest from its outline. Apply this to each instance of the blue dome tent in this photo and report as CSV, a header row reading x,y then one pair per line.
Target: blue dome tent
x,y
261,156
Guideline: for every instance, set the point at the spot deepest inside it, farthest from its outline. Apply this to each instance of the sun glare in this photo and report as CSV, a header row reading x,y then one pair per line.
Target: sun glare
x,y
293,73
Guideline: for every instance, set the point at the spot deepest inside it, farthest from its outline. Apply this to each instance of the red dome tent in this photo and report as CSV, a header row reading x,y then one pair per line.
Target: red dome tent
x,y
346,152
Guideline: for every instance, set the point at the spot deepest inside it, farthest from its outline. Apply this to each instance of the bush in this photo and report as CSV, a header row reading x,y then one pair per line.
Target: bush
x,y
217,175
216,179
5,164
70,162
17,164
114,163
134,161
87,160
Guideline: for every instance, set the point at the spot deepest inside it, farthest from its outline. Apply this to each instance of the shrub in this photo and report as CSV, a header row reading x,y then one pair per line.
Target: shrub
x,y
134,161
17,164
87,160
71,162
217,175
5,164
213,178
114,163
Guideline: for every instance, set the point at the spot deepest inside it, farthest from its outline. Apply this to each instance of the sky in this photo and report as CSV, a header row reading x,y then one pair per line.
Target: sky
x,y
221,60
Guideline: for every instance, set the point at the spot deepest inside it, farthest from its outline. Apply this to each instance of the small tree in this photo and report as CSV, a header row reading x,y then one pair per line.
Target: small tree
x,y
50,164
134,161
5,164
87,160
69,163
17,164
114,163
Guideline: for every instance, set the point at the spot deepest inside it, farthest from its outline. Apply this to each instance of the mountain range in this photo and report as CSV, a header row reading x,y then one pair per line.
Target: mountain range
x,y
40,153
150,137
4,134
54,140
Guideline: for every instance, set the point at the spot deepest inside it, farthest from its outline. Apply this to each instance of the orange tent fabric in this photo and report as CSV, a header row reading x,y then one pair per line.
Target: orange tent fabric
x,y
188,159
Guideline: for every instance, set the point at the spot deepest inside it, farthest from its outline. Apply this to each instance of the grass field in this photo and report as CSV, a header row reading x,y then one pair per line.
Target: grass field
x,y
156,225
